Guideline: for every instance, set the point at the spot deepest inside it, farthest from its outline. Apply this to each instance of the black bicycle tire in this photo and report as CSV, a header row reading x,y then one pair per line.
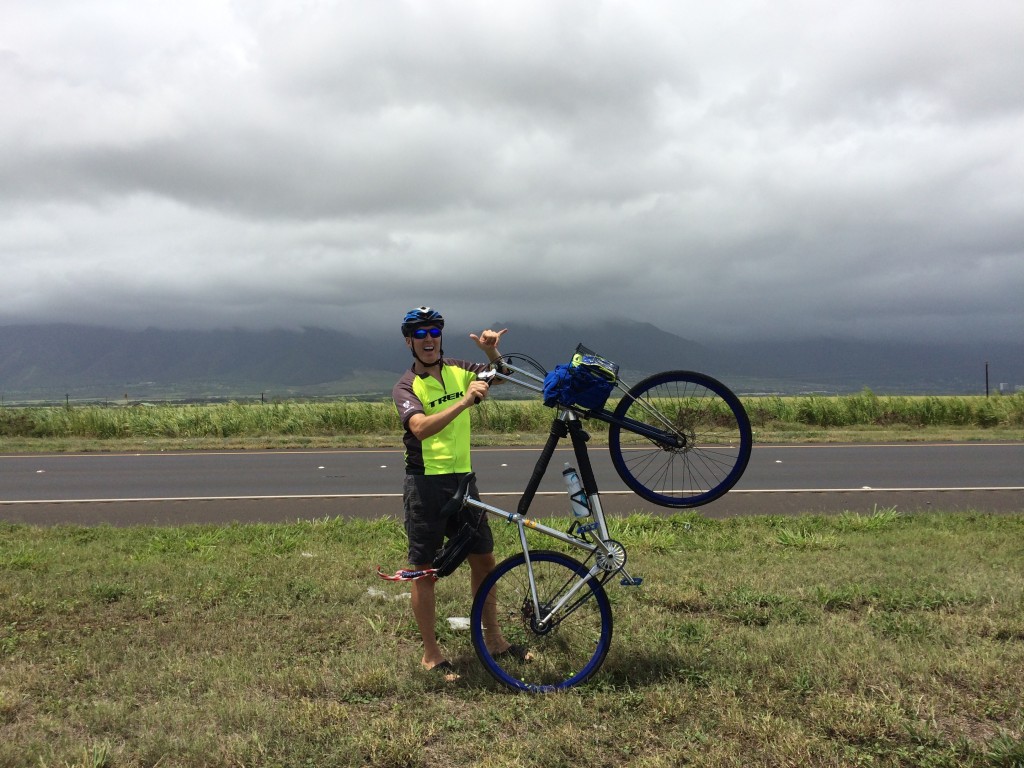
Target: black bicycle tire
x,y
536,675
707,471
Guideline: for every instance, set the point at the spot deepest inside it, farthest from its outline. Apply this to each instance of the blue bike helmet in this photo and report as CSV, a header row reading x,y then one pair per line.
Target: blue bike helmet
x,y
421,316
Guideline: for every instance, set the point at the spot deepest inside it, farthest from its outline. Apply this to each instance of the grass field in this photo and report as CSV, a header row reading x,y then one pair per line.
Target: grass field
x,y
884,640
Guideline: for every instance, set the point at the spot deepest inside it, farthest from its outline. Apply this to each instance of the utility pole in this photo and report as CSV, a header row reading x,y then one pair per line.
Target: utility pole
x,y
986,378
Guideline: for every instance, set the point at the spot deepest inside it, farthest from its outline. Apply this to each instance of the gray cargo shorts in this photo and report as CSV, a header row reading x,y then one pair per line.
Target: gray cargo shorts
x,y
423,497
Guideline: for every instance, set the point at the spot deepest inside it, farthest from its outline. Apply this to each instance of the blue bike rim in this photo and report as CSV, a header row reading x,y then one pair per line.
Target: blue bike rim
x,y
597,593
700,458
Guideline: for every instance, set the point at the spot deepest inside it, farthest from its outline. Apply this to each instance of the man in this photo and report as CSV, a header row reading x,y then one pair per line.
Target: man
x,y
433,399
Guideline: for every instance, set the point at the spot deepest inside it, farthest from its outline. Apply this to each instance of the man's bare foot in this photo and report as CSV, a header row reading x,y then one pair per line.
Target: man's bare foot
x,y
517,652
443,668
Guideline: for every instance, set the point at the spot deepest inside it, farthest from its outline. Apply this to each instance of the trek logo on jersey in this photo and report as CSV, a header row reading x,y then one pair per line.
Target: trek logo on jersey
x,y
445,399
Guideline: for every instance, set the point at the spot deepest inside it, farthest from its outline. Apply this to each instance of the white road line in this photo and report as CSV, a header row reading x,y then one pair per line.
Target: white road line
x,y
307,497
242,453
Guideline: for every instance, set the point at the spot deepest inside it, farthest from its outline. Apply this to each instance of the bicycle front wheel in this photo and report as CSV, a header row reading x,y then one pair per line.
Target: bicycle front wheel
x,y
680,439
562,652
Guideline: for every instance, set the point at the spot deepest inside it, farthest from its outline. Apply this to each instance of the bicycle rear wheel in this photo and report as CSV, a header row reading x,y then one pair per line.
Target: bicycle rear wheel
x,y
563,653
706,444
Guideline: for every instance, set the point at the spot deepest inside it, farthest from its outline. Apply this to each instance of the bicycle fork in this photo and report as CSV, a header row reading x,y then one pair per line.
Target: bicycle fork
x,y
609,559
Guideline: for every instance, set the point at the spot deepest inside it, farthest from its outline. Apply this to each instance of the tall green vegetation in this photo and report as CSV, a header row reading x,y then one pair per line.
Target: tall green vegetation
x,y
344,417
867,409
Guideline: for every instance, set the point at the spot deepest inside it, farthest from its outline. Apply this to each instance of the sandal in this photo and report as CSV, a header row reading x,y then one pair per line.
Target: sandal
x,y
517,652
446,670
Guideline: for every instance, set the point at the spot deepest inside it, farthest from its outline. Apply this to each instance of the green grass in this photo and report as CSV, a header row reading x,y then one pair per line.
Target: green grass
x,y
882,640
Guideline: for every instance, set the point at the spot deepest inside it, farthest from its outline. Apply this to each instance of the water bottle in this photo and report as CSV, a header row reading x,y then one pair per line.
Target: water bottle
x,y
580,504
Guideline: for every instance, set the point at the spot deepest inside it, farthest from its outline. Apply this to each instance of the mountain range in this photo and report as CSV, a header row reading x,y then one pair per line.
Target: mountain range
x,y
57,362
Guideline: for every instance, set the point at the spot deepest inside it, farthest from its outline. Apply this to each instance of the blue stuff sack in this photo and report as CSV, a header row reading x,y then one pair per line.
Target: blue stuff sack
x,y
573,384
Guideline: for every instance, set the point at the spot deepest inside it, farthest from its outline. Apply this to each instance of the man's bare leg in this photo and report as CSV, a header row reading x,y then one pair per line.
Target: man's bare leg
x,y
480,566
424,610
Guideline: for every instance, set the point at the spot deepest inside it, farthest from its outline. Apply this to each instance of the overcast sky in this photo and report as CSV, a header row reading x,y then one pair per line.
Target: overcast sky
x,y
740,169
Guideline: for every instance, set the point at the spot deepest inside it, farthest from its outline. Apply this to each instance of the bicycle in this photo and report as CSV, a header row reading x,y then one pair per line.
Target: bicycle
x,y
548,602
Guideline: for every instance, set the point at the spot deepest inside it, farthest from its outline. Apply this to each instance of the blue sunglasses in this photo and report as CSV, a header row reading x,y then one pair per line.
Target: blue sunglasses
x,y
421,333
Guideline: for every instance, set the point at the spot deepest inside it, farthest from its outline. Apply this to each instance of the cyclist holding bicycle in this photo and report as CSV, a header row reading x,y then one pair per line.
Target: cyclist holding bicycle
x,y
433,399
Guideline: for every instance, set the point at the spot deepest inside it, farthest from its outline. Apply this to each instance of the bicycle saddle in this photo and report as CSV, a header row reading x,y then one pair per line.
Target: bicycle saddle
x,y
456,501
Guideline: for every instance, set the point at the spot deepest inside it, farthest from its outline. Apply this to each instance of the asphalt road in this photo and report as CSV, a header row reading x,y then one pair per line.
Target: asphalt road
x,y
272,486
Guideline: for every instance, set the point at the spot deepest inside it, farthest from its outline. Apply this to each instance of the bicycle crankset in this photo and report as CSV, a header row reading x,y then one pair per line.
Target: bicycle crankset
x,y
614,558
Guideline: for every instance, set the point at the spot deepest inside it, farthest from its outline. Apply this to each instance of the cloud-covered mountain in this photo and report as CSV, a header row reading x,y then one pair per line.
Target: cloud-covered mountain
x,y
96,361
52,361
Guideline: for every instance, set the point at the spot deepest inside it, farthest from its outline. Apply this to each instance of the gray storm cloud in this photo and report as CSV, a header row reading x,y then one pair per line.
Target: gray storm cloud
x,y
741,170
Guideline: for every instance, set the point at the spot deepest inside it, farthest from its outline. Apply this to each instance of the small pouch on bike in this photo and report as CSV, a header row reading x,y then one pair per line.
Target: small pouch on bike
x,y
586,382
455,551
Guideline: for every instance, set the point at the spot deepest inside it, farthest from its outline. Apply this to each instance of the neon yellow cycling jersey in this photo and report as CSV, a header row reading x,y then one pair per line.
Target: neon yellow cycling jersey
x,y
447,452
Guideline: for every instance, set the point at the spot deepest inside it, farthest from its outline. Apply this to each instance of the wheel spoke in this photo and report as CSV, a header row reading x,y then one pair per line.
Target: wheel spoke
x,y
712,424
564,653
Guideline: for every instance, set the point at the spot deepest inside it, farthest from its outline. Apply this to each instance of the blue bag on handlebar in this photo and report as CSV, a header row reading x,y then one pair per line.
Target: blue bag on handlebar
x,y
585,382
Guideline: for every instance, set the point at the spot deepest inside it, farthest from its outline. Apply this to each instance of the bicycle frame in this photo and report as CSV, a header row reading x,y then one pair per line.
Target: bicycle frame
x,y
523,523
609,555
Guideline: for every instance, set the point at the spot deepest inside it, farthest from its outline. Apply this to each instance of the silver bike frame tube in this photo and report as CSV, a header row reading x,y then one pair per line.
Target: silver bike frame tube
x,y
523,523
533,525
538,387
582,582
598,512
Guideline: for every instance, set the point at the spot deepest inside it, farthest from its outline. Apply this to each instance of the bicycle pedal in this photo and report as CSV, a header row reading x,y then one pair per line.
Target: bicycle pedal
x,y
581,529
632,581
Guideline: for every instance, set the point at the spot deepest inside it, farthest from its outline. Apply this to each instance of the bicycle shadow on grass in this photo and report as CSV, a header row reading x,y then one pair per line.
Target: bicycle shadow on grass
x,y
618,671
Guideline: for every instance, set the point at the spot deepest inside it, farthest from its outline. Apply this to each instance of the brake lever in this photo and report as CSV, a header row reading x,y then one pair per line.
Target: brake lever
x,y
486,377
